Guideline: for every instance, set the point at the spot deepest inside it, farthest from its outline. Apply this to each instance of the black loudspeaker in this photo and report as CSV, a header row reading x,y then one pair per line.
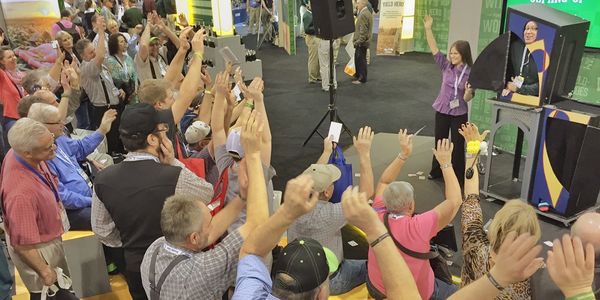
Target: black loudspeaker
x,y
332,18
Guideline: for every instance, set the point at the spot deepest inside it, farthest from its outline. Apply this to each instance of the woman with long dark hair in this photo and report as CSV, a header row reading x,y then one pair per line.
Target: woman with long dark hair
x,y
451,110
121,66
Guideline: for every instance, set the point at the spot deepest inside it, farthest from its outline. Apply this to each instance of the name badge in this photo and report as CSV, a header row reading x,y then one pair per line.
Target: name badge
x,y
454,104
518,81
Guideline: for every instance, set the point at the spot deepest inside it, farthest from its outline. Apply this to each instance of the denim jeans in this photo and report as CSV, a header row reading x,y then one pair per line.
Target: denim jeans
x,y
351,273
6,280
442,290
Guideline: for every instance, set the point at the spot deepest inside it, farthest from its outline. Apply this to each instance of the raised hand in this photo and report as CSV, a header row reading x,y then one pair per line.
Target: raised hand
x,y
107,119
406,143
64,80
471,133
198,41
255,89
516,259
364,140
222,84
299,198
184,39
428,22
251,133
357,210
443,153
571,266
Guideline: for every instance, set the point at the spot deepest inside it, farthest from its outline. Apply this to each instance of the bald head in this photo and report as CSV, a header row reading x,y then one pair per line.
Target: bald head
x,y
587,228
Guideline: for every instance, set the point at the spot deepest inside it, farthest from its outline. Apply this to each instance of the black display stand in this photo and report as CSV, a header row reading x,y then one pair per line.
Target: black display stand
x,y
331,108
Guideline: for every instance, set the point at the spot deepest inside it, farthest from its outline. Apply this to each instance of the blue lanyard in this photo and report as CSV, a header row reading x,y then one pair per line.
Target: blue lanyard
x,y
40,176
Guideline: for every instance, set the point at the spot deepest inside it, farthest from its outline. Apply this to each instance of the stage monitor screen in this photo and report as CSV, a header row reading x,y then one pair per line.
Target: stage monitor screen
x,y
585,9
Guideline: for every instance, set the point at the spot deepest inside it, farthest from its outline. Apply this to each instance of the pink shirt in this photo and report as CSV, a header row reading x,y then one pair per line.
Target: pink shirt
x,y
413,233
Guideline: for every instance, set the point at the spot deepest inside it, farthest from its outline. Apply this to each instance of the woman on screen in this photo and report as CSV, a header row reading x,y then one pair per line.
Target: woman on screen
x,y
522,74
451,110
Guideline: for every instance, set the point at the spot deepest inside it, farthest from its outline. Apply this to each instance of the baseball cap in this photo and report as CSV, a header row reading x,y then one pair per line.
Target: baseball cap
x,y
197,132
323,175
307,262
234,144
140,120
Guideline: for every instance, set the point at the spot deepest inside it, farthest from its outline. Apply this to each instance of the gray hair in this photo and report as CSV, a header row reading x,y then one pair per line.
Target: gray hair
x,y
25,135
398,196
33,80
181,216
42,112
60,35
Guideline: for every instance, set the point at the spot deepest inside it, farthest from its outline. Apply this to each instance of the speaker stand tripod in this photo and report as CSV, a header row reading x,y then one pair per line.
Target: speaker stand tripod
x,y
331,108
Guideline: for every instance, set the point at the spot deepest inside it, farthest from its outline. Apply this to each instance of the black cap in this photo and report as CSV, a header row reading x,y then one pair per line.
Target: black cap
x,y
140,120
305,261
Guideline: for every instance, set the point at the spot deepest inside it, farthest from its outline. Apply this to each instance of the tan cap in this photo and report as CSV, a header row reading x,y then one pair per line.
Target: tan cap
x,y
323,176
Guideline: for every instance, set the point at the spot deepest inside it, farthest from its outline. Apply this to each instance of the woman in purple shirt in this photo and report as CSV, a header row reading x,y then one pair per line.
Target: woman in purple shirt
x,y
450,106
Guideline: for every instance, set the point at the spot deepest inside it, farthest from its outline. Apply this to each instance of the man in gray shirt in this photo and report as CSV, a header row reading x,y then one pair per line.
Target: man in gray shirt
x,y
325,222
99,86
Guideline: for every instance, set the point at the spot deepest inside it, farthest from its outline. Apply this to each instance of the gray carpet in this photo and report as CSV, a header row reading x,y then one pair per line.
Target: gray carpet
x,y
398,94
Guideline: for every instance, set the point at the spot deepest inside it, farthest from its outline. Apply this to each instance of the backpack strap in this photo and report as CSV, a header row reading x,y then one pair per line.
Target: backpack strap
x,y
418,255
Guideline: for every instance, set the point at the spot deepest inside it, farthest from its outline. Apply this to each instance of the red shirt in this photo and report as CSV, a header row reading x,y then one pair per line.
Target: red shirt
x,y
31,211
413,233
10,96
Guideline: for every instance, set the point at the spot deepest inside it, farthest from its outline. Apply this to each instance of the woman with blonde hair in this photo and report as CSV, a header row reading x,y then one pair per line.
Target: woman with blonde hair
x,y
479,248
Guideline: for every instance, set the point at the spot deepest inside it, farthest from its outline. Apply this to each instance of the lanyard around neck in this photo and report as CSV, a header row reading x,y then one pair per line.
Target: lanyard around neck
x,y
523,60
457,80
40,176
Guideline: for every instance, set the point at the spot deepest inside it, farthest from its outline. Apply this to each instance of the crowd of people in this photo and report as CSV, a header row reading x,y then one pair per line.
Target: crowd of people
x,y
127,135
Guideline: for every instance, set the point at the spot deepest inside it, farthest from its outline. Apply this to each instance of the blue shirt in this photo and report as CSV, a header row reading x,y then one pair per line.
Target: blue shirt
x,y
73,189
253,280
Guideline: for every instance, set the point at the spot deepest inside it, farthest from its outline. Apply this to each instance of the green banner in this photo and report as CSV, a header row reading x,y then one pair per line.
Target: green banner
x,y
440,11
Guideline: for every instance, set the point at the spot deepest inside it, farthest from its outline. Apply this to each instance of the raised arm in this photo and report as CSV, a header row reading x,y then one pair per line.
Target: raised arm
x,y
391,172
516,261
428,22
447,210
166,30
101,46
174,70
363,143
470,132
328,148
298,201
217,120
255,92
56,68
192,84
144,45
257,209
397,277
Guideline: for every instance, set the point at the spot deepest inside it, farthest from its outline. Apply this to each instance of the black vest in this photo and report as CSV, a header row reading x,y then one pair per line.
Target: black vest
x,y
134,192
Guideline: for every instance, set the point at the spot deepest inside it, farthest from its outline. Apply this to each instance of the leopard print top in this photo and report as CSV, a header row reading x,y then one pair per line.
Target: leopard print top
x,y
476,251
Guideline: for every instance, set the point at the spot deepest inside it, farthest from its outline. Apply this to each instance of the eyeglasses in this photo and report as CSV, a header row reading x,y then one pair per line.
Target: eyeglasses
x,y
50,147
56,123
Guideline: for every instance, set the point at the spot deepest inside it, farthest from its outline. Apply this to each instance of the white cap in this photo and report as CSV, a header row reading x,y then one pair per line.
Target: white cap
x,y
197,132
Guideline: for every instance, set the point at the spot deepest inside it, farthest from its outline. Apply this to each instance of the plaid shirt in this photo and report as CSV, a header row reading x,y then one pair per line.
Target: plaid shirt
x,y
323,224
205,275
102,223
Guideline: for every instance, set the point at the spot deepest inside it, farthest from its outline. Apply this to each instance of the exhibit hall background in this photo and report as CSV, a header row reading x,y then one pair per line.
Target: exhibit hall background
x,y
462,19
